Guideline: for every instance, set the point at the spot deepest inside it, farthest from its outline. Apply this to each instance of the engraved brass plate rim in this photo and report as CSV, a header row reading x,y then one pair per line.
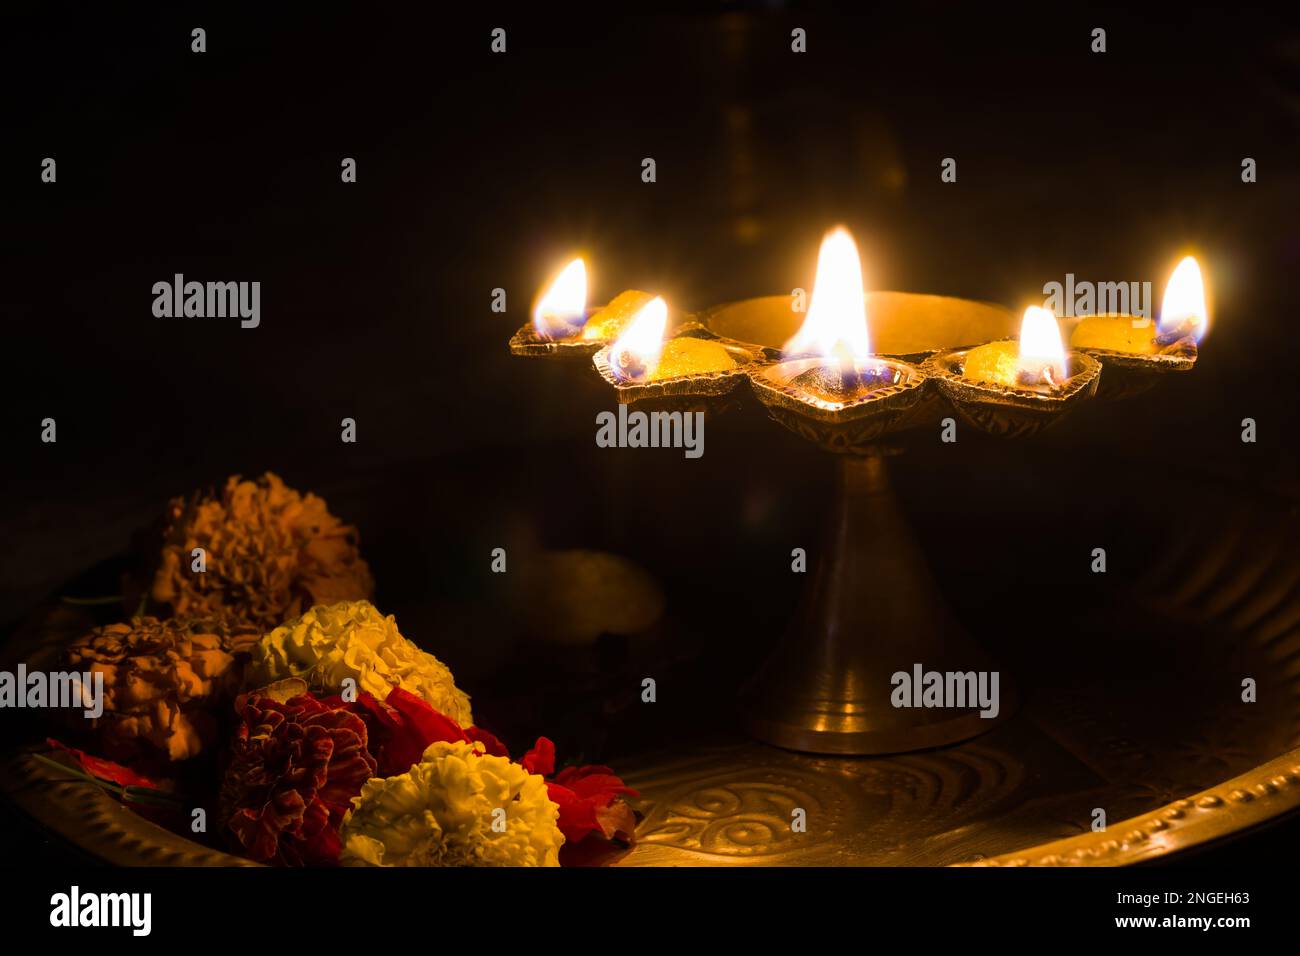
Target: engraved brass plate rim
x,y
97,823
1258,796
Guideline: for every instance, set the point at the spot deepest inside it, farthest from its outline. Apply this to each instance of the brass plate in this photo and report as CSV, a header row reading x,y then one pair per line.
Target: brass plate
x,y
1149,727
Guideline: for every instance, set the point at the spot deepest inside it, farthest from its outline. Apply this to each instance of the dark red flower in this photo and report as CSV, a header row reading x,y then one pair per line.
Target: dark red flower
x,y
295,767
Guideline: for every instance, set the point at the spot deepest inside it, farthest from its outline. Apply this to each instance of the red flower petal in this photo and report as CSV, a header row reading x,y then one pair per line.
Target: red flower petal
x,y
541,759
595,782
103,769
405,726
577,816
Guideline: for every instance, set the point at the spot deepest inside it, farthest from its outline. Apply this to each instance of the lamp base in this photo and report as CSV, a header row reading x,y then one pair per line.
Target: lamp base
x,y
871,614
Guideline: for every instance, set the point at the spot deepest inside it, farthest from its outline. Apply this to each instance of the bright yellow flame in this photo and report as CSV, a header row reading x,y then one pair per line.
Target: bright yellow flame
x,y
1040,344
635,353
836,324
1184,301
561,311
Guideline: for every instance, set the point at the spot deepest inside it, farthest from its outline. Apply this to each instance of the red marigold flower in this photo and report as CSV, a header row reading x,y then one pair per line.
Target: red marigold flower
x,y
296,765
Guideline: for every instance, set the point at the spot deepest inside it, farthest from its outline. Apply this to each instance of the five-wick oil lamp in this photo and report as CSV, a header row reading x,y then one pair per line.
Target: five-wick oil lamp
x,y
872,608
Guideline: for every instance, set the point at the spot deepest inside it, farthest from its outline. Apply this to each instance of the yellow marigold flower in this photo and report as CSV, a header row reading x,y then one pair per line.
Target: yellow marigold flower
x,y
270,551
443,810
353,639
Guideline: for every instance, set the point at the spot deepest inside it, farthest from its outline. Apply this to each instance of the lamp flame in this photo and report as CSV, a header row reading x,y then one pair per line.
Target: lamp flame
x,y
1183,307
836,324
1042,354
635,354
562,309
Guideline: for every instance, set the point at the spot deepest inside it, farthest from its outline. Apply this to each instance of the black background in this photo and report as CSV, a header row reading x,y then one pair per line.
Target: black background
x,y
478,171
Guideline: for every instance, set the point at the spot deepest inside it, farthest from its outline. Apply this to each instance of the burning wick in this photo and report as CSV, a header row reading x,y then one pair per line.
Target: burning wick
x,y
1042,355
1183,321
835,328
561,312
1183,316
634,356
1038,360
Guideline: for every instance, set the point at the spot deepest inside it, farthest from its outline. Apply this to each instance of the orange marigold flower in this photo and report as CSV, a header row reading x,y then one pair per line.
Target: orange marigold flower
x,y
270,554
164,682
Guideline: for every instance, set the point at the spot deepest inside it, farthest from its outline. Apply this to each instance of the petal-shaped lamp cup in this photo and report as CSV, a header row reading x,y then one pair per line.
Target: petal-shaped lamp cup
x,y
855,423
1131,373
710,392
1012,411
528,343
1128,375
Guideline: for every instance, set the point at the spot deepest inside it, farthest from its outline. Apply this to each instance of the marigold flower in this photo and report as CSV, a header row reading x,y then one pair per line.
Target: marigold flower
x,y
270,553
443,810
163,682
295,766
354,640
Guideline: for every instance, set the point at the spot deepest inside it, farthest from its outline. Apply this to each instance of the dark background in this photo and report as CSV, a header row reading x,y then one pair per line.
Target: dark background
x,y
478,171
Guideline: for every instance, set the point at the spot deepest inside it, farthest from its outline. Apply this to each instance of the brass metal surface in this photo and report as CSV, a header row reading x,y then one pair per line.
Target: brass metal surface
x,y
697,385
903,324
1129,374
855,426
527,343
871,610
1006,411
